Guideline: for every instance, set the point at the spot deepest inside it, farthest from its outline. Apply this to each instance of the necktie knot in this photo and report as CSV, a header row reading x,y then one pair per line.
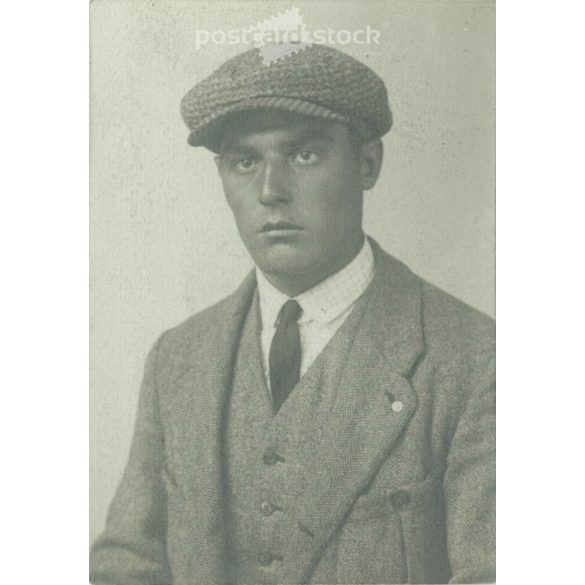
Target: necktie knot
x,y
290,312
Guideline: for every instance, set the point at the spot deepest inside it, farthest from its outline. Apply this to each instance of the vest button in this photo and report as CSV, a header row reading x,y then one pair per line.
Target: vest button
x,y
270,457
264,558
400,499
266,508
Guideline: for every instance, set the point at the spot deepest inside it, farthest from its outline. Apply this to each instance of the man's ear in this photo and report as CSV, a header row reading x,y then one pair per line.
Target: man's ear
x,y
371,156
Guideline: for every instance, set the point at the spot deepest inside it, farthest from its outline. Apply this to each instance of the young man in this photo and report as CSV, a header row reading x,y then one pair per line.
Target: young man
x,y
333,420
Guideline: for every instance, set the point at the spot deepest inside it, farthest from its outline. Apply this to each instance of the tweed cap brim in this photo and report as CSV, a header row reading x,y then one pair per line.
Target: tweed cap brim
x,y
209,130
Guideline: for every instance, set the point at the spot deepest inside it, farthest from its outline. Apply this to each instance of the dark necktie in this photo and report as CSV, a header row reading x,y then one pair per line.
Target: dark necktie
x,y
285,354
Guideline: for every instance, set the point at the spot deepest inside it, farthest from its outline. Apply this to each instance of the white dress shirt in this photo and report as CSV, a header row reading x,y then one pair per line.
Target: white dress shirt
x,y
325,307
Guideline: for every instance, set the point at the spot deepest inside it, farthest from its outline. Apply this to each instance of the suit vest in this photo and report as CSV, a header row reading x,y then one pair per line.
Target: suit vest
x,y
266,454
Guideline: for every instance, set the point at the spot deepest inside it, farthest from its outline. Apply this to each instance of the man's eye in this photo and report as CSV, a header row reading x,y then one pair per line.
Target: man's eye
x,y
245,164
306,157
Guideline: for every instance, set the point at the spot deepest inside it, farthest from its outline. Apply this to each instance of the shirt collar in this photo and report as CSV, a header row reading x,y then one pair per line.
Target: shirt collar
x,y
326,300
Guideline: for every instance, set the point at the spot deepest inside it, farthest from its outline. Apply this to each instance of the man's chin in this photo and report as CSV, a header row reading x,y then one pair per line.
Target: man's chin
x,y
282,261
282,268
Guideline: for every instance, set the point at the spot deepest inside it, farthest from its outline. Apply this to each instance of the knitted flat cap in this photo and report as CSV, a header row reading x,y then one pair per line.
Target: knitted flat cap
x,y
317,81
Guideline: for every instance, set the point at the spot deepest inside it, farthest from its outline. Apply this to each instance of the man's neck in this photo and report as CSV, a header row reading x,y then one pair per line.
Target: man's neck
x,y
294,285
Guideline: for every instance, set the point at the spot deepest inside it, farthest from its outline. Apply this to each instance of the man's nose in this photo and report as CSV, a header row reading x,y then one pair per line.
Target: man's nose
x,y
275,185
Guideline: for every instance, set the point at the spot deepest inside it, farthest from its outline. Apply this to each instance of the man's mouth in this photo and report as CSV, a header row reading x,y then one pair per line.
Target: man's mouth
x,y
279,226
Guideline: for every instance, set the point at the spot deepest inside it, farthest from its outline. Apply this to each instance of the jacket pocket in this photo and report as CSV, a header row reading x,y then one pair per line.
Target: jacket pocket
x,y
395,535
369,543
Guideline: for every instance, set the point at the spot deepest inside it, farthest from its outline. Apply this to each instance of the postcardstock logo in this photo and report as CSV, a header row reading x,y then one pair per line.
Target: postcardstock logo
x,y
280,36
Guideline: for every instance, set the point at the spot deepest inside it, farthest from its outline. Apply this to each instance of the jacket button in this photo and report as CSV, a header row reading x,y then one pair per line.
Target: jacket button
x,y
397,405
266,508
270,457
264,558
400,499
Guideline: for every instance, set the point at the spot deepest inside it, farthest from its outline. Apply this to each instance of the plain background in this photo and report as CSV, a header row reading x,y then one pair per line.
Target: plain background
x,y
44,258
163,241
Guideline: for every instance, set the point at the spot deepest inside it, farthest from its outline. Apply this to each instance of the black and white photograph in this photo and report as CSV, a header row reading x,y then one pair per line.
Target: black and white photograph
x,y
292,292
249,286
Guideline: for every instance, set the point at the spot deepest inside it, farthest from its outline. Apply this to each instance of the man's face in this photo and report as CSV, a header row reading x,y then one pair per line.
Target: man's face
x,y
295,189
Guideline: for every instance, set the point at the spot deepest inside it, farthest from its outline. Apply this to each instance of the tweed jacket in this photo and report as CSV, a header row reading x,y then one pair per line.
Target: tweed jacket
x,y
401,487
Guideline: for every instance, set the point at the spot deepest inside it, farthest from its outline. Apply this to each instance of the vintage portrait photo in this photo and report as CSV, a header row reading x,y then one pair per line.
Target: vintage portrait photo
x,y
292,307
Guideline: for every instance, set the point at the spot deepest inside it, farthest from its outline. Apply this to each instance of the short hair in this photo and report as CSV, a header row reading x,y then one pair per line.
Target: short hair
x,y
356,139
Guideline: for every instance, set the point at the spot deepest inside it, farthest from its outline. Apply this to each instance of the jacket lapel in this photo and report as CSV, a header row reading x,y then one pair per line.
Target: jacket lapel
x,y
373,406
